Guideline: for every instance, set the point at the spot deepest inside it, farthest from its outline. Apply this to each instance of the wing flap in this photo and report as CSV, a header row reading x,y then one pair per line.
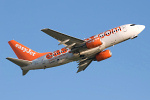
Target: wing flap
x,y
83,65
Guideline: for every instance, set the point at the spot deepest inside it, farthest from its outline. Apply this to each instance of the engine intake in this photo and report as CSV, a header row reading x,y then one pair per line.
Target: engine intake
x,y
103,55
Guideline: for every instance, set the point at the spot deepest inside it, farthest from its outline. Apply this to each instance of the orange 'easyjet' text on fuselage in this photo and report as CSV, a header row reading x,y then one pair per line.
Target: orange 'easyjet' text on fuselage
x,y
57,52
103,34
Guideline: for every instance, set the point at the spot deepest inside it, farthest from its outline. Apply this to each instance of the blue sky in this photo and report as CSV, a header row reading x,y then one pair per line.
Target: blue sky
x,y
124,76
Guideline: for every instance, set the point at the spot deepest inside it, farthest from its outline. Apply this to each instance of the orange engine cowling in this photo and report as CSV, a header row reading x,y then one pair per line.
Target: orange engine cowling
x,y
93,43
103,55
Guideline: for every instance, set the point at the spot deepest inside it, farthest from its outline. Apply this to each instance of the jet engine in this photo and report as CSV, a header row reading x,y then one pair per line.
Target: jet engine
x,y
103,55
93,43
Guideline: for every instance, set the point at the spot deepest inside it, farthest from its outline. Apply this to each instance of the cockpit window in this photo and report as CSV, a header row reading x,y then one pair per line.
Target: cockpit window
x,y
132,24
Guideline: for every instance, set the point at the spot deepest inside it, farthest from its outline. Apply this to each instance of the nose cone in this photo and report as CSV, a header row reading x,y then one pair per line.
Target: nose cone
x,y
141,28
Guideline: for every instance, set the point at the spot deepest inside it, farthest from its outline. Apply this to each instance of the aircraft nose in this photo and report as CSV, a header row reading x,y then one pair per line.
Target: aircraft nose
x,y
141,28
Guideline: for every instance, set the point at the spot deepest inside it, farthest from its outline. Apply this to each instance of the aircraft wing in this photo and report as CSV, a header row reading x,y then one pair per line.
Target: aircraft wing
x,y
63,38
83,64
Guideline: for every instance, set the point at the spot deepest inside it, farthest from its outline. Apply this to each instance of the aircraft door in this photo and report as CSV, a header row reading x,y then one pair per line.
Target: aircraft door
x,y
44,63
125,33
124,28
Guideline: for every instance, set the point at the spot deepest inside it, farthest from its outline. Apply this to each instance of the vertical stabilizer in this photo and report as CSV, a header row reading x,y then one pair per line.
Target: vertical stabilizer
x,y
24,52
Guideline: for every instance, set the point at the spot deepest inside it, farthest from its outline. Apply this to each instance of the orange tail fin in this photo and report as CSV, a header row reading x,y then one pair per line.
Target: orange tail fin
x,y
24,52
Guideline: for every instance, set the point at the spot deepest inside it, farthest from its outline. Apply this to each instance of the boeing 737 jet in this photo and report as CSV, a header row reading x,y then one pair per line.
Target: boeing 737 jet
x,y
82,51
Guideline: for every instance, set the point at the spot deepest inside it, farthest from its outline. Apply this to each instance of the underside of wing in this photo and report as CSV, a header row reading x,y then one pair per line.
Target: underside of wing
x,y
63,38
83,64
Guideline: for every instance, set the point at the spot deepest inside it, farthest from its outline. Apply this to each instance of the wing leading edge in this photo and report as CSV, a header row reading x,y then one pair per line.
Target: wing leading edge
x,y
64,39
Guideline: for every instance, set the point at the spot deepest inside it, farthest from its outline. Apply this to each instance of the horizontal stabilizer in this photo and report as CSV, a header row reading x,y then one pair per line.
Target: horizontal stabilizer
x,y
19,62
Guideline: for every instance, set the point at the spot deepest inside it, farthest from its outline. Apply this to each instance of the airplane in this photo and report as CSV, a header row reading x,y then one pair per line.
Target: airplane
x,y
82,51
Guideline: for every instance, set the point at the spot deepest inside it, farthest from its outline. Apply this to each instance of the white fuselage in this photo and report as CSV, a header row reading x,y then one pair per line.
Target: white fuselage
x,y
108,38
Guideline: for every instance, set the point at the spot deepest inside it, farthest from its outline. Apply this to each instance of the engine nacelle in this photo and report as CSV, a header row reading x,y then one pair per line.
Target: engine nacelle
x,y
93,43
103,55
